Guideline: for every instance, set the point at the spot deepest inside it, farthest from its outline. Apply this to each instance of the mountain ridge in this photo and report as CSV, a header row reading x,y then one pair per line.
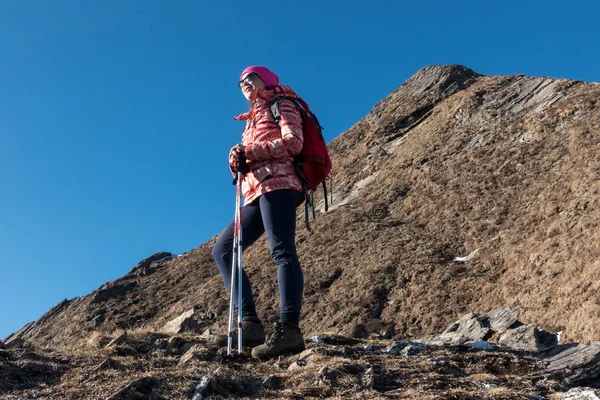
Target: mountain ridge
x,y
450,163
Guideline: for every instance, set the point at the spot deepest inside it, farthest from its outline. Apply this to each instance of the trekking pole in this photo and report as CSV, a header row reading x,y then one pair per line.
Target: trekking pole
x,y
239,255
236,269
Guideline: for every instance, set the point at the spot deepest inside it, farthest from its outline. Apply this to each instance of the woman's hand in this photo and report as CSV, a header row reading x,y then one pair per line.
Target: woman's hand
x,y
237,158
239,151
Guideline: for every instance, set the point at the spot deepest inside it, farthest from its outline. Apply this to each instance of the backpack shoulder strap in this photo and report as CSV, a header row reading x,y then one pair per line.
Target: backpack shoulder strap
x,y
274,106
274,109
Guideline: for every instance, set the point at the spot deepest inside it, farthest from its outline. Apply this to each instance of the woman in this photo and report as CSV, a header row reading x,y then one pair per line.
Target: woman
x,y
272,191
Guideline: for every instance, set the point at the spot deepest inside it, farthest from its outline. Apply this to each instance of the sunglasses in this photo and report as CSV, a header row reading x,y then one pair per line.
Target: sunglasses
x,y
248,78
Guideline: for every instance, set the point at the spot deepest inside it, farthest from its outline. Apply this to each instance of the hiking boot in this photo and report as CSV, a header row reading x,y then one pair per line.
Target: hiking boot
x,y
285,339
253,334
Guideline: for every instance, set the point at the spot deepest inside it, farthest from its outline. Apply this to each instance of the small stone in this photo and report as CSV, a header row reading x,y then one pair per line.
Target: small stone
x,y
122,338
272,382
368,379
296,366
396,347
175,326
413,349
160,344
324,376
487,385
196,352
201,387
346,351
583,393
190,321
95,321
306,354
177,345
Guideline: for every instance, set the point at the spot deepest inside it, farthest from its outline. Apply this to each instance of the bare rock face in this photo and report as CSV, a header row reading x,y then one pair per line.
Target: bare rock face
x,y
528,338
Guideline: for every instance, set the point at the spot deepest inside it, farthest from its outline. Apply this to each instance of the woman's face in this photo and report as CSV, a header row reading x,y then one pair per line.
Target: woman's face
x,y
250,84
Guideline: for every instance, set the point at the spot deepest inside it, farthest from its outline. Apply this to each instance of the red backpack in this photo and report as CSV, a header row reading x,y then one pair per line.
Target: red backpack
x,y
313,164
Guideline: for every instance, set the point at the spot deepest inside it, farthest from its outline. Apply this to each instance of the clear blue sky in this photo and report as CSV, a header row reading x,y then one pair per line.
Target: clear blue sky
x,y
116,116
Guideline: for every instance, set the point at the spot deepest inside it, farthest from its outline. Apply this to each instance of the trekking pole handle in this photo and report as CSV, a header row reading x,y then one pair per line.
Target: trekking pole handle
x,y
241,169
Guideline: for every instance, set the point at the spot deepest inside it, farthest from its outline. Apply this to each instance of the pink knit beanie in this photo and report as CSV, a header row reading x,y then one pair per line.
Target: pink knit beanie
x,y
268,77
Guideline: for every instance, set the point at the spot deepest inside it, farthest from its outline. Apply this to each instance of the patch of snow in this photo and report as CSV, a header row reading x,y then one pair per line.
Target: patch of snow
x,y
317,340
466,258
483,345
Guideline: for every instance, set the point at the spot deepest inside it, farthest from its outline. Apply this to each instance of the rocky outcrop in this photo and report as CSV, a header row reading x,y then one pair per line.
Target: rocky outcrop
x,y
149,265
501,324
113,290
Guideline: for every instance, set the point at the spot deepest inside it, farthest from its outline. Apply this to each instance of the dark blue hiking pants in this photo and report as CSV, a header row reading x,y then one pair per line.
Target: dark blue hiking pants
x,y
274,213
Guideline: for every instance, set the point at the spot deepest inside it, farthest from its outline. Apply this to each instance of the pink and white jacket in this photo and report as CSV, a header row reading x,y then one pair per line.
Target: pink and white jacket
x,y
270,147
